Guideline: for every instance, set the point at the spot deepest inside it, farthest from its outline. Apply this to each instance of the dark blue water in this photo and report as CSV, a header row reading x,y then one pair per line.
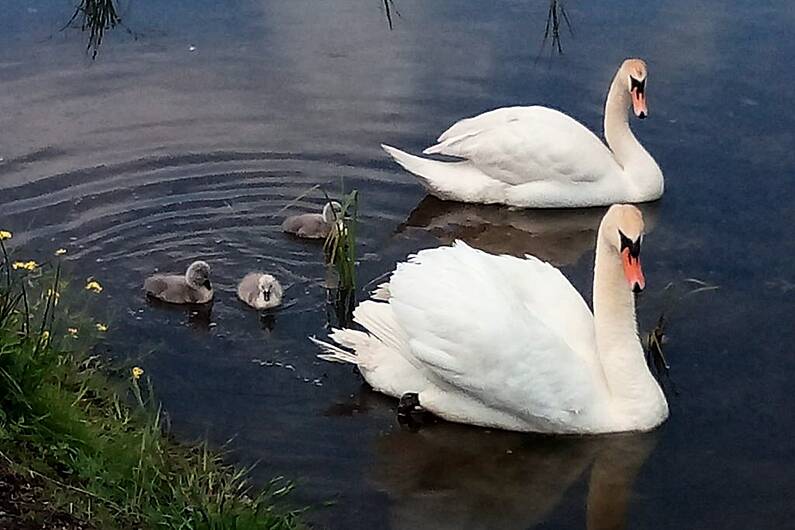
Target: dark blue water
x,y
187,139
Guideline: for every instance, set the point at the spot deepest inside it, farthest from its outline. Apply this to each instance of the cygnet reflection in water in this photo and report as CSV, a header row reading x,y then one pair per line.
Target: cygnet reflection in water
x,y
197,316
560,237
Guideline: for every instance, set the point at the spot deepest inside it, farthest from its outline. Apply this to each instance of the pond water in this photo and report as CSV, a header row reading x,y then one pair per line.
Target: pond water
x,y
188,139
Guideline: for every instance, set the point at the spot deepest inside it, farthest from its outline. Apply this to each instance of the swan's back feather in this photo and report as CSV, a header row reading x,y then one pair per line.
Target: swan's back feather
x,y
517,145
485,325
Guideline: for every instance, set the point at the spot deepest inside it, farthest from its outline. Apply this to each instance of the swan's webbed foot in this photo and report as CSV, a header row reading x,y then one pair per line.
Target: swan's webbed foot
x,y
409,402
409,411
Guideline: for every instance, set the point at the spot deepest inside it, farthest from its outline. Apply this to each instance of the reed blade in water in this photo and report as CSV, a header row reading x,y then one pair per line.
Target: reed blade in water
x,y
340,251
555,15
340,245
656,338
96,17
389,8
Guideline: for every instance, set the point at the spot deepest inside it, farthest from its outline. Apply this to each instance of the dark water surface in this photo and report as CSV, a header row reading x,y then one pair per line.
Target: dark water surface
x,y
157,154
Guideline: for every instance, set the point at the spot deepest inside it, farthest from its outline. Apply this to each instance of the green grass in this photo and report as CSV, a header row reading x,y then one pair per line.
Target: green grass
x,y
97,442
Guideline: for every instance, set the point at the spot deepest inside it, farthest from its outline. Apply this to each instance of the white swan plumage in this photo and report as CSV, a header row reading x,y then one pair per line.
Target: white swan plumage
x,y
505,342
537,157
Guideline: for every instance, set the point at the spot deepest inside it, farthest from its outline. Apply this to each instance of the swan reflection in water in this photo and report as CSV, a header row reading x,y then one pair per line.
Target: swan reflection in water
x,y
458,477
560,237
450,476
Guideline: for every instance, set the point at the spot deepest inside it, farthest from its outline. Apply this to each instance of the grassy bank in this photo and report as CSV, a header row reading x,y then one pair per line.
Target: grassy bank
x,y
89,447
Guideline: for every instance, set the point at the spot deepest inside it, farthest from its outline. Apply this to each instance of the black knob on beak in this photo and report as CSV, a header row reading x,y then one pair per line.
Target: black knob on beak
x,y
637,288
642,115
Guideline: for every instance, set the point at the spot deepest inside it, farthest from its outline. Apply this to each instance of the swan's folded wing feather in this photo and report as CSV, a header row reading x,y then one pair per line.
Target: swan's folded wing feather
x,y
517,145
472,325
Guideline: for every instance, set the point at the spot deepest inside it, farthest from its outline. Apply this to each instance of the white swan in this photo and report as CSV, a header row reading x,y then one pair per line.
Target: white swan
x,y
537,157
504,342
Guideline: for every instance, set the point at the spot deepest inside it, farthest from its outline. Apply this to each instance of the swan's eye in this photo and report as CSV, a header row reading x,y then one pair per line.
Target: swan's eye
x,y
635,84
633,246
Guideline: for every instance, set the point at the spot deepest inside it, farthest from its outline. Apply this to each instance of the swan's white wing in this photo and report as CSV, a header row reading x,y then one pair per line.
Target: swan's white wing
x,y
517,145
511,333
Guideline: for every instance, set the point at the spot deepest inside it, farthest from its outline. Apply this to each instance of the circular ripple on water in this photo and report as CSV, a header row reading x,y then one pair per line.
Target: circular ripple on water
x,y
126,220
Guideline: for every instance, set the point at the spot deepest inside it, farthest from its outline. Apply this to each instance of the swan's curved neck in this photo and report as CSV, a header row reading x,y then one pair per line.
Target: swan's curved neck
x,y
622,142
630,383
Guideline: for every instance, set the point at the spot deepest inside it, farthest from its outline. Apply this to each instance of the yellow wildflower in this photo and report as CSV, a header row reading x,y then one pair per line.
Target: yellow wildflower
x,y
72,331
60,252
102,327
94,286
5,234
27,265
137,373
45,335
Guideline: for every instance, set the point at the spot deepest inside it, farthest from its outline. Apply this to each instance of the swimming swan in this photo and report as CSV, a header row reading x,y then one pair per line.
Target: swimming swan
x,y
508,343
193,287
313,225
260,291
537,157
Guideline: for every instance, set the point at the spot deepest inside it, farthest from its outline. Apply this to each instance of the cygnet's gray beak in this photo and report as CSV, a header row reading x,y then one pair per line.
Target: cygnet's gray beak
x,y
266,294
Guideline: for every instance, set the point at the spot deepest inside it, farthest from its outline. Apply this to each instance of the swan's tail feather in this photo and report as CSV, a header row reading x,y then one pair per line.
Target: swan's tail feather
x,y
424,169
457,181
358,347
445,142
379,321
353,346
380,353
334,353
381,293
432,150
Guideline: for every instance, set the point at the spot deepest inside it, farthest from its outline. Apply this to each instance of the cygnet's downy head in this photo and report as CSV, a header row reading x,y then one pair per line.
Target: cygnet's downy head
x,y
198,275
270,289
331,212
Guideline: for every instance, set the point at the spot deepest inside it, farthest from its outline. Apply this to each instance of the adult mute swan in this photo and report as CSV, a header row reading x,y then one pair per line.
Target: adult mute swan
x,y
504,342
537,157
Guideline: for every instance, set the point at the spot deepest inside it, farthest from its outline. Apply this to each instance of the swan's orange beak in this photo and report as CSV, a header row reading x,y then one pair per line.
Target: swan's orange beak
x,y
632,271
639,103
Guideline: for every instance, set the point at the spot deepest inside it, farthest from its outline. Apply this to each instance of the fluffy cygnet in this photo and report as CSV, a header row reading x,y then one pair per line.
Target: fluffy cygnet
x,y
260,291
193,287
313,225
